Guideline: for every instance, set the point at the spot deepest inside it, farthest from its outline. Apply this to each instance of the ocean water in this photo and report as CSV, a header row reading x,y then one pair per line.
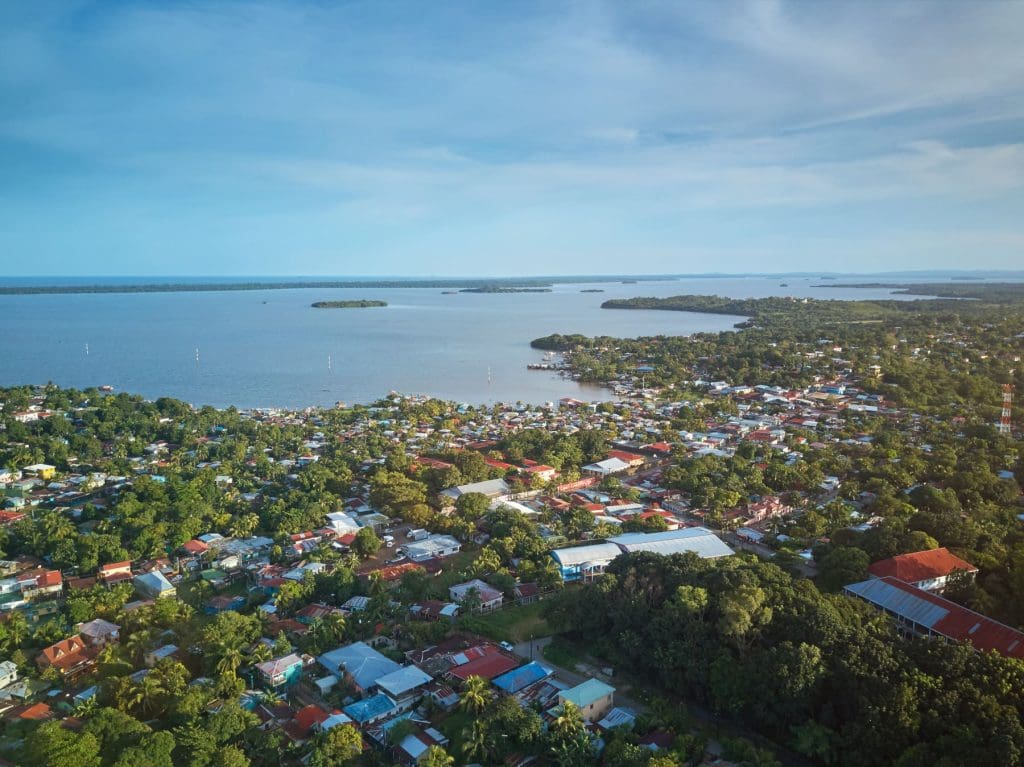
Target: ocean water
x,y
270,348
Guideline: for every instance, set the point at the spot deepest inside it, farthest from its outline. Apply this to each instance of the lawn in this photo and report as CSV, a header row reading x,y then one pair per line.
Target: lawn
x,y
561,653
513,624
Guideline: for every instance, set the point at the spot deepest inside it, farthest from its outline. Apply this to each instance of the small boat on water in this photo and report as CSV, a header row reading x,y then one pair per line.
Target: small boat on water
x,y
106,387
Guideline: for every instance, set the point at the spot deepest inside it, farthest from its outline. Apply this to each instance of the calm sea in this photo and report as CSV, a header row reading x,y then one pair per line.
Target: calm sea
x,y
270,348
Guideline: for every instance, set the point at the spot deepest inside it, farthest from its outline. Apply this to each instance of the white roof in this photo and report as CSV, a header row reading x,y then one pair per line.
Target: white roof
x,y
699,540
404,679
490,487
607,466
595,552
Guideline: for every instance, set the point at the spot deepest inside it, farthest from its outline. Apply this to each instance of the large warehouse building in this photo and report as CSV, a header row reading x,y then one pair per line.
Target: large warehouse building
x,y
586,562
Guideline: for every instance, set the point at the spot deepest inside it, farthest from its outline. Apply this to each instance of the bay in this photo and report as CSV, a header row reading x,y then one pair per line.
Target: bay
x,y
270,348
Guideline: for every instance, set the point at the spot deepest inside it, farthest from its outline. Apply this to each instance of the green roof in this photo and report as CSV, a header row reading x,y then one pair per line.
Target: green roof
x,y
582,695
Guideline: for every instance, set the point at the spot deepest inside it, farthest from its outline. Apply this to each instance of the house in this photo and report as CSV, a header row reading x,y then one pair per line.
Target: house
x,y
617,717
433,547
359,664
414,747
280,672
153,657
41,470
404,686
927,570
371,710
921,613
520,678
606,468
38,584
526,593
99,633
584,562
223,603
434,610
593,698
115,572
8,673
490,664
492,488
71,657
305,723
489,597
154,585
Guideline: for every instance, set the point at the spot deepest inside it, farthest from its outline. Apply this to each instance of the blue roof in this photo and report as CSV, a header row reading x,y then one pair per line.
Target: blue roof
x,y
361,661
370,708
515,680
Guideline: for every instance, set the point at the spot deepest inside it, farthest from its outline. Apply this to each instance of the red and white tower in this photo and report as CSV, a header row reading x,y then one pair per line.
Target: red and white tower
x,y
1004,417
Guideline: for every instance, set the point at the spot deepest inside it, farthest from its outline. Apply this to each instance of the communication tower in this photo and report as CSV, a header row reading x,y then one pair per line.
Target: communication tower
x,y
1005,415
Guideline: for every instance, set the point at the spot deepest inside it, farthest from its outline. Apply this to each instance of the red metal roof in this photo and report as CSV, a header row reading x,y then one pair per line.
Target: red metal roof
x,y
955,622
920,566
489,666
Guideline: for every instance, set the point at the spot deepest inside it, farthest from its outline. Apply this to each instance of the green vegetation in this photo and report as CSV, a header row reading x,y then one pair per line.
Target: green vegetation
x,y
874,412
992,292
504,289
360,304
562,653
516,623
821,673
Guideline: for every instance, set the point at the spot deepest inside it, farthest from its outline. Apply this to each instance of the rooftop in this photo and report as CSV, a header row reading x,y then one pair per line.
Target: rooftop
x,y
921,566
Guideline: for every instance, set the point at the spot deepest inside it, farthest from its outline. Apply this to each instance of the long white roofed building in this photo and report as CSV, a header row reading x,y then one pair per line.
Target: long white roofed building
x,y
586,562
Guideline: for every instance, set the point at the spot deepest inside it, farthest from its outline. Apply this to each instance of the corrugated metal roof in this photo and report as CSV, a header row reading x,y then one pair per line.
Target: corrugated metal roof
x,y
888,596
595,552
521,677
699,540
941,616
586,693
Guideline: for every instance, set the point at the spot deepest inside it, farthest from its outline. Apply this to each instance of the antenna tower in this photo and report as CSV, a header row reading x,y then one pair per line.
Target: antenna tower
x,y
1005,415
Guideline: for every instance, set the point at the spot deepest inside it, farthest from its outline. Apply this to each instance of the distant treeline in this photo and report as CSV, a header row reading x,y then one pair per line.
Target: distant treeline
x,y
993,292
358,304
785,310
207,287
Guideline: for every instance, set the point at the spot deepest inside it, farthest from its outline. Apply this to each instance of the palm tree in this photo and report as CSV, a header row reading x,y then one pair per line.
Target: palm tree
x,y
270,697
260,653
229,661
474,741
337,625
137,644
87,707
152,691
17,629
476,695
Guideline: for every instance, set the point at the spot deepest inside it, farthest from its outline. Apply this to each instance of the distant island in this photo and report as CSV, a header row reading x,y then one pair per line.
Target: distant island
x,y
503,289
592,290
357,304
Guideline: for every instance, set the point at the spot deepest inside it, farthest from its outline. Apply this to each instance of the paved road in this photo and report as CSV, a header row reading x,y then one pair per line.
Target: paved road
x,y
807,569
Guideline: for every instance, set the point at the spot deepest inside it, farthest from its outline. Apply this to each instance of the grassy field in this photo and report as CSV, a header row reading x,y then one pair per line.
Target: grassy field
x,y
513,624
561,653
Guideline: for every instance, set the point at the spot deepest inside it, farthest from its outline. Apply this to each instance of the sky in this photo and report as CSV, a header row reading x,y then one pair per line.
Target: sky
x,y
378,138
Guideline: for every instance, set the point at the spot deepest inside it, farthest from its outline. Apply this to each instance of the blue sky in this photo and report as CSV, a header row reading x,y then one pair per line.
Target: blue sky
x,y
344,138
